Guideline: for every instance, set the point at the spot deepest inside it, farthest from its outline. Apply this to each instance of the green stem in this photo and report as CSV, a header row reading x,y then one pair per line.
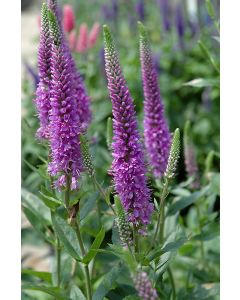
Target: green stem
x,y
172,283
135,239
86,269
58,254
200,229
102,192
67,192
99,214
160,220
58,246
156,231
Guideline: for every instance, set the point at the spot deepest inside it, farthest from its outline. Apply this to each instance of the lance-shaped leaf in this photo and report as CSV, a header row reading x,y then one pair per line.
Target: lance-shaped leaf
x,y
50,290
67,236
94,247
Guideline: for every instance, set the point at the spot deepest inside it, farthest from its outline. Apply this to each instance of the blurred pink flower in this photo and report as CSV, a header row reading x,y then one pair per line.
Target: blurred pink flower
x,y
68,18
82,42
72,39
93,35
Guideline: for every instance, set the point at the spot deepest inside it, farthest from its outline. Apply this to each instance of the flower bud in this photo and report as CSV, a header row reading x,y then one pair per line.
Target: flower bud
x,y
87,159
124,229
174,155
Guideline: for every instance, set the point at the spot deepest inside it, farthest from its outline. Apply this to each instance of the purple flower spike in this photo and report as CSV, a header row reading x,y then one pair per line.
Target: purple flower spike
x,y
128,168
144,287
83,100
140,9
156,133
42,100
64,126
179,20
165,9
31,71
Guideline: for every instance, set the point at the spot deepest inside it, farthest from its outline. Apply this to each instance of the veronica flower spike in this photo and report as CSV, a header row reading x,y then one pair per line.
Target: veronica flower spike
x,y
128,166
42,100
83,100
64,127
156,132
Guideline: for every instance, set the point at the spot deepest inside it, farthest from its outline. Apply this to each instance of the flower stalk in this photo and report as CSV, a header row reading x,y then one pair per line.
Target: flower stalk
x,y
85,267
58,254
169,174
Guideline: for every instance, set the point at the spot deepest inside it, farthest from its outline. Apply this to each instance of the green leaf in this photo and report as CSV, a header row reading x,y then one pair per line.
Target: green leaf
x,y
66,268
76,293
216,38
95,246
186,201
121,291
204,291
48,198
210,9
132,297
38,170
108,282
67,236
180,192
215,183
202,82
45,276
35,204
38,224
125,255
164,262
208,56
53,291
172,246
88,206
209,233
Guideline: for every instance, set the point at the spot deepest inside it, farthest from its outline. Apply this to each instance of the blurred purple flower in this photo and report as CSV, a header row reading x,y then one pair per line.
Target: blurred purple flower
x,y
140,9
206,100
165,10
179,21
32,73
193,27
156,132
190,158
191,165
115,7
110,12
102,60
156,62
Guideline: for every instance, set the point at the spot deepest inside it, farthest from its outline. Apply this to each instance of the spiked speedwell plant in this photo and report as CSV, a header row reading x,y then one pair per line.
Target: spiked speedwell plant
x,y
115,230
